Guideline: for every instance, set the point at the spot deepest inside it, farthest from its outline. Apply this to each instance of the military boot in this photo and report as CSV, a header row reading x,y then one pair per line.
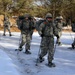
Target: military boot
x,y
50,64
10,35
73,46
27,52
20,48
4,35
59,43
40,59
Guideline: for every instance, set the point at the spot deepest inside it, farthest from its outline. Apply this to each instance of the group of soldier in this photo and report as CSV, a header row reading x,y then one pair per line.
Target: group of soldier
x,y
47,30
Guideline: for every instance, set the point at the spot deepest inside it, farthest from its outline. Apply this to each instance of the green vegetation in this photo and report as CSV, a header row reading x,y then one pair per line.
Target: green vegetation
x,y
66,8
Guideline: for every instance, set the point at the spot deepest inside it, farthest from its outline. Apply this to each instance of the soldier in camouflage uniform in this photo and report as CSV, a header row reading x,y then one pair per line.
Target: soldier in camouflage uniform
x,y
73,29
47,31
25,28
33,26
59,25
6,26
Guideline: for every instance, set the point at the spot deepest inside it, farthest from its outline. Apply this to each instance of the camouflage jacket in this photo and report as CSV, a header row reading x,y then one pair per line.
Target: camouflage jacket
x,y
73,27
6,24
48,29
59,26
27,26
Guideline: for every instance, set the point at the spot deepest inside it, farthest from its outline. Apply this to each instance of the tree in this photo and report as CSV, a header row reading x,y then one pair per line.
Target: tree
x,y
4,6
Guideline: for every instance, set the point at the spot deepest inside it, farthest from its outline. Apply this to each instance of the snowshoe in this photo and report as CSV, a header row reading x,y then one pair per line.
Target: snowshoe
x,y
50,64
27,52
39,60
20,49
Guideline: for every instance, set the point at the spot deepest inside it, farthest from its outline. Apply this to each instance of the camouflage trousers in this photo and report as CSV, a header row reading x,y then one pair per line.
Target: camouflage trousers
x,y
47,47
74,42
26,40
58,39
7,28
31,33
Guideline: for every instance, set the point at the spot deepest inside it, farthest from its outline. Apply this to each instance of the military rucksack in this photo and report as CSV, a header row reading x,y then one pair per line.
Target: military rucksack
x,y
19,21
38,23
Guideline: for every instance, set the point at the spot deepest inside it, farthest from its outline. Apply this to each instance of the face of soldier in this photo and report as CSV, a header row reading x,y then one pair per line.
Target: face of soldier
x,y
26,18
60,20
49,18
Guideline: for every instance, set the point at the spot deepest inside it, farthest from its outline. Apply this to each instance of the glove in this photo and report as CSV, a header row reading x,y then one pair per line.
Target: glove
x,y
42,35
57,36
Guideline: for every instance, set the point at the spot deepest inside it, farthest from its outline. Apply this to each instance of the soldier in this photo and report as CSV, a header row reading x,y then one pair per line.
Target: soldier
x,y
6,26
59,25
47,31
25,27
32,23
73,29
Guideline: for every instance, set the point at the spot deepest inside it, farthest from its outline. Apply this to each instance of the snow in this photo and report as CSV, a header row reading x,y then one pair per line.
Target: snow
x,y
6,65
12,63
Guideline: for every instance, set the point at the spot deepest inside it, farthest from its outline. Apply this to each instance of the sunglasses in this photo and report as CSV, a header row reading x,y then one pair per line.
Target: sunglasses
x,y
49,17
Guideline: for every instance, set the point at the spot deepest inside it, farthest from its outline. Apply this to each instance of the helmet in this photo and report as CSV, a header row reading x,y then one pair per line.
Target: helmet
x,y
59,18
48,15
6,18
26,15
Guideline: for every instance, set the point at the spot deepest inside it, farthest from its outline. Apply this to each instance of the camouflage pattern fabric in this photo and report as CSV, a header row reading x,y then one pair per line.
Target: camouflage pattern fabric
x,y
26,40
47,43
26,29
7,26
59,26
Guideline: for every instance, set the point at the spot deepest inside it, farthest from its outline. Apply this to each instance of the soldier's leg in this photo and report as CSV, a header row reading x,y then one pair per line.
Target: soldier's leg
x,y
9,31
22,42
73,44
31,34
28,42
51,53
4,31
58,39
44,48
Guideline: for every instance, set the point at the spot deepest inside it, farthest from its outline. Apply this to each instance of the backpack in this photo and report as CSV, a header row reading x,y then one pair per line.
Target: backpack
x,y
38,23
73,27
19,21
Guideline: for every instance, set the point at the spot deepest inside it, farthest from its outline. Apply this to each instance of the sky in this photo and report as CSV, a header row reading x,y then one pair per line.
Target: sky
x,y
18,63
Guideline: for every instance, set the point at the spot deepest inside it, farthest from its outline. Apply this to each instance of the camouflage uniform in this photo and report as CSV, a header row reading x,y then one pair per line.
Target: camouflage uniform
x,y
6,26
47,31
59,25
26,34
32,23
73,29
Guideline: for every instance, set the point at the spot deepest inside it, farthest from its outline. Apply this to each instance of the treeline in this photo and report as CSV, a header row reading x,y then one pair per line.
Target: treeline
x,y
39,8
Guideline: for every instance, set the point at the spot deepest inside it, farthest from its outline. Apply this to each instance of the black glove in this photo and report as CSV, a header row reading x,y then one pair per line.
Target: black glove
x,y
57,36
42,35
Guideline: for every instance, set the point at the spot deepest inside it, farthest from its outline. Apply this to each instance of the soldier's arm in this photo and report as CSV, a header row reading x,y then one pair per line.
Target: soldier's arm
x,y
55,31
33,25
41,28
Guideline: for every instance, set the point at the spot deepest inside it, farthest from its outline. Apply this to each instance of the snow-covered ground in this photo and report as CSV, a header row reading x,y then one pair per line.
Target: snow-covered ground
x,y
12,63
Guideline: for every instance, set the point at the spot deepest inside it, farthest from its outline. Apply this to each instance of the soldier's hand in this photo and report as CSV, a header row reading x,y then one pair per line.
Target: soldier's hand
x,y
57,36
42,35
